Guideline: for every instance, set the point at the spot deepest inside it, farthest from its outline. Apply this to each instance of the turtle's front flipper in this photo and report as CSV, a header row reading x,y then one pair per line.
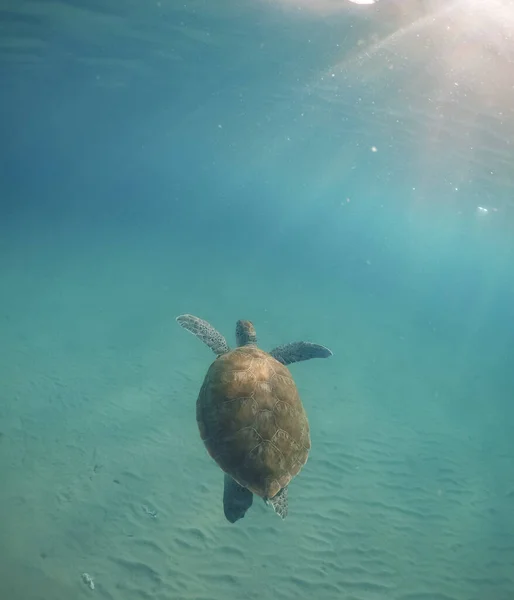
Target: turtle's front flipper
x,y
236,499
298,351
205,332
280,503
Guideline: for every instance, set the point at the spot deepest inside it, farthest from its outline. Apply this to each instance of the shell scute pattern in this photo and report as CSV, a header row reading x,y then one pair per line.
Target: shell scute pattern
x,y
252,420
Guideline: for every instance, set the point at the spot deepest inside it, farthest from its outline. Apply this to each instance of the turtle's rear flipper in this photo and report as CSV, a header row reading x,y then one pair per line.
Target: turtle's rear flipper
x,y
236,499
280,503
298,351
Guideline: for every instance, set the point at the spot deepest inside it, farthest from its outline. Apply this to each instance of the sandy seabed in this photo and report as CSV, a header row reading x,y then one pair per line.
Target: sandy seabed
x,y
103,471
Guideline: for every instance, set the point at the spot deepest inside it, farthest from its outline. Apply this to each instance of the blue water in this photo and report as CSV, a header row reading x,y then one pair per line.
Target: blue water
x,y
336,173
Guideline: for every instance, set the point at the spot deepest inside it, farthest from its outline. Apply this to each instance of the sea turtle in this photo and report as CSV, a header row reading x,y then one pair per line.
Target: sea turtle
x,y
250,415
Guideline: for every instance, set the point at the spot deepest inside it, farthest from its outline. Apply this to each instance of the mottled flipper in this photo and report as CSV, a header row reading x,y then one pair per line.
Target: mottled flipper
x,y
236,499
298,351
280,503
205,332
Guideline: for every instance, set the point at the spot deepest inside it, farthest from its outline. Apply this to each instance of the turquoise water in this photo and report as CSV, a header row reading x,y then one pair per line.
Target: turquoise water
x,y
336,173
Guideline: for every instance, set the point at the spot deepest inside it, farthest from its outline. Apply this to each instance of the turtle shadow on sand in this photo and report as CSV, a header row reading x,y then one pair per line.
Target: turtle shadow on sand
x,y
250,415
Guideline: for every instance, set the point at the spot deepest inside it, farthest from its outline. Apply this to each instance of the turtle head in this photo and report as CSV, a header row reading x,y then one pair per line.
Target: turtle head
x,y
245,333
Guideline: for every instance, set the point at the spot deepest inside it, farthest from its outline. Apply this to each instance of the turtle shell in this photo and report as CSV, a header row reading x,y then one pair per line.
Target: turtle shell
x,y
252,421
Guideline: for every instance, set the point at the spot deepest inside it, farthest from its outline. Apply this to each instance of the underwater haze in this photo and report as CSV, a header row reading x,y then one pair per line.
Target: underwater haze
x,y
335,172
